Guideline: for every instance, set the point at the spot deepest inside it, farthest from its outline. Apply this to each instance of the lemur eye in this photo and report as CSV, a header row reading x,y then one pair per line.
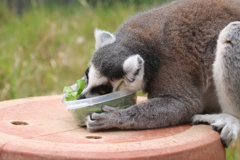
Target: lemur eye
x,y
102,89
102,92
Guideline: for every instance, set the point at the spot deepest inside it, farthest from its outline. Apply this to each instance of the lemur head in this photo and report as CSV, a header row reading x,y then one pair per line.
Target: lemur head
x,y
113,67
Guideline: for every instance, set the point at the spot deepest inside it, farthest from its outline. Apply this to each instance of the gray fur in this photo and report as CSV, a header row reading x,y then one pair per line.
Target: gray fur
x,y
177,42
103,38
226,74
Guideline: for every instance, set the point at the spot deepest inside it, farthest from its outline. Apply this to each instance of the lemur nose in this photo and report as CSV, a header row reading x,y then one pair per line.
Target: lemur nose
x,y
81,97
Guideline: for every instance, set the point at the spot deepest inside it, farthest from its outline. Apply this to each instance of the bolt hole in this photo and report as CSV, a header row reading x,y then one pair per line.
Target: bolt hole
x,y
19,123
93,137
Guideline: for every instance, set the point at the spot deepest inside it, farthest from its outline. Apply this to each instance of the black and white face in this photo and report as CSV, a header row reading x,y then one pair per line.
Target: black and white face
x,y
98,84
128,75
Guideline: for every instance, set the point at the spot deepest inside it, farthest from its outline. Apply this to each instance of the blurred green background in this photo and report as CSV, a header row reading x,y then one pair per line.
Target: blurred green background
x,y
47,44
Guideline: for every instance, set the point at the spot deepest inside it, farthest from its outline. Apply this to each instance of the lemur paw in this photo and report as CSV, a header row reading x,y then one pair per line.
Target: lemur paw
x,y
110,118
228,125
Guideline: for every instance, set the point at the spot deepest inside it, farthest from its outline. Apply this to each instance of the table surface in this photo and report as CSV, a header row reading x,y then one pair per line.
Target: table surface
x,y
41,128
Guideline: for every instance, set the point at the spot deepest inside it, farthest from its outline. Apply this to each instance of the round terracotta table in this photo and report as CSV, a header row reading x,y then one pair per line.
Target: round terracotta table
x,y
40,128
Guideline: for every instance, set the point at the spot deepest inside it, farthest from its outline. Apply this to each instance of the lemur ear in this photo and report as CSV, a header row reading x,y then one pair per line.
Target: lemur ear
x,y
103,38
133,68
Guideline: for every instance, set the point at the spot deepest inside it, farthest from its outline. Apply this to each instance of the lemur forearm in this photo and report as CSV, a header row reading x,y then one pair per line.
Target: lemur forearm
x,y
160,112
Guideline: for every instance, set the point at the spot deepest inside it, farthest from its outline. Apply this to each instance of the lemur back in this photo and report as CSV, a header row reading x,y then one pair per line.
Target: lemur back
x,y
182,36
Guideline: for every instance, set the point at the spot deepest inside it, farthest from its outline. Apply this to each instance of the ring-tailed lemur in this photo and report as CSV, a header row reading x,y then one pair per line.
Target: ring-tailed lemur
x,y
172,53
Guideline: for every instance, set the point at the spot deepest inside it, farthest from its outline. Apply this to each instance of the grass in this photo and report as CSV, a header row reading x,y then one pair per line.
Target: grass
x,y
49,47
233,152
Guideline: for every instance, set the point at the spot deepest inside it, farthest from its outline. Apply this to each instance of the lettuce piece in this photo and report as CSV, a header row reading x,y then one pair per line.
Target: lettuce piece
x,y
81,85
70,94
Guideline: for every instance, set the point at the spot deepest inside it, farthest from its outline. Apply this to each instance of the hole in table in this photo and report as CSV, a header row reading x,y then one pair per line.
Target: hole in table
x,y
93,137
19,123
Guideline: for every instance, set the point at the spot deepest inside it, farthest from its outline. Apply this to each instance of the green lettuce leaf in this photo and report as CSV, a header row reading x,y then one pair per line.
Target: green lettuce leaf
x,y
70,94
81,85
